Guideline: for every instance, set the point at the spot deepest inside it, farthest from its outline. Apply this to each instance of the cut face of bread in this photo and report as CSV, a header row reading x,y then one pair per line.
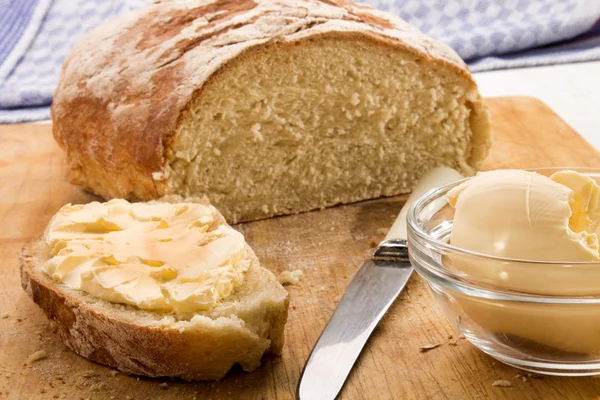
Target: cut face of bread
x,y
267,107
202,344
327,120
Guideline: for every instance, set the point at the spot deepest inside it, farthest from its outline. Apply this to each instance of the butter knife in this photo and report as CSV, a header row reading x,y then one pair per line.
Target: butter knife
x,y
373,289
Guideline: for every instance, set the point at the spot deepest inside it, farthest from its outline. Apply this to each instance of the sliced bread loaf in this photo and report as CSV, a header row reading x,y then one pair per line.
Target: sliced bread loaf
x,y
268,107
199,345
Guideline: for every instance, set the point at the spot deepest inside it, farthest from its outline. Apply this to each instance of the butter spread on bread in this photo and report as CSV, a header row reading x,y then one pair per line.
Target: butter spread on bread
x,y
156,256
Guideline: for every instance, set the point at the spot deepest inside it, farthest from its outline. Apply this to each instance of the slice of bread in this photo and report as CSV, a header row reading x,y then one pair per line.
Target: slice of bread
x,y
239,330
267,107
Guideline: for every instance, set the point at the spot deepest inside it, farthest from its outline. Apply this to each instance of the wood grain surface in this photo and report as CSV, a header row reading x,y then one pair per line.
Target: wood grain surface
x,y
327,245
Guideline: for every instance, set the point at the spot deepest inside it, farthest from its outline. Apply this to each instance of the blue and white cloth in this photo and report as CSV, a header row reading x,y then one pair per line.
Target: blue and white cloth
x,y
37,35
30,62
496,34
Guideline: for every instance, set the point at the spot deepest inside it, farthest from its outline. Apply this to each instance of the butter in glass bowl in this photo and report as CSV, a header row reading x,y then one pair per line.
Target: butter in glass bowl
x,y
512,257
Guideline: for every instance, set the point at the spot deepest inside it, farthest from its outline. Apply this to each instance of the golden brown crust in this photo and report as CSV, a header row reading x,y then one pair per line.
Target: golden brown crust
x,y
106,155
116,114
136,343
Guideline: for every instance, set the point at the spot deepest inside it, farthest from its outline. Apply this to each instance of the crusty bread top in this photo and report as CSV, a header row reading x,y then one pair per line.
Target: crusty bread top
x,y
126,83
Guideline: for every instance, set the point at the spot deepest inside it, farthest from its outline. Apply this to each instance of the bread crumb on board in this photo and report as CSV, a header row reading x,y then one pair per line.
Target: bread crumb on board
x,y
523,378
5,315
38,355
455,341
290,277
164,386
502,383
427,347
89,373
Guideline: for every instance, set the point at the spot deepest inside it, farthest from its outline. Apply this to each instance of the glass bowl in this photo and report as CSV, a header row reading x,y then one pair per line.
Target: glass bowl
x,y
539,316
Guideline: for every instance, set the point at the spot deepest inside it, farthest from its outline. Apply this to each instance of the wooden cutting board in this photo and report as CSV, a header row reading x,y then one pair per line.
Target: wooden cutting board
x,y
329,246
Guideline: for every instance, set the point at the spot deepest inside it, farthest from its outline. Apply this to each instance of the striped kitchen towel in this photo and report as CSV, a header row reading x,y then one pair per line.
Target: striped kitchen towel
x,y
29,67
36,36
496,34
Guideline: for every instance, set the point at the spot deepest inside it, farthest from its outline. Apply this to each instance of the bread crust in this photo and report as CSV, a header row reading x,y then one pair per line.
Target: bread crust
x,y
139,342
116,111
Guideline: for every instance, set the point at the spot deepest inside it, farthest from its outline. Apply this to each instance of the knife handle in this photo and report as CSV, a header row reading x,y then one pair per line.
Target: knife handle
x,y
433,178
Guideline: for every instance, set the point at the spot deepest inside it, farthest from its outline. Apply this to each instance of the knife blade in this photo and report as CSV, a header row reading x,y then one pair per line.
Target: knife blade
x,y
372,291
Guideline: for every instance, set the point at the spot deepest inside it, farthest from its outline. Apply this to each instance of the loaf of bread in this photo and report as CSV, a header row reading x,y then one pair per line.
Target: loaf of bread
x,y
268,107
200,344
